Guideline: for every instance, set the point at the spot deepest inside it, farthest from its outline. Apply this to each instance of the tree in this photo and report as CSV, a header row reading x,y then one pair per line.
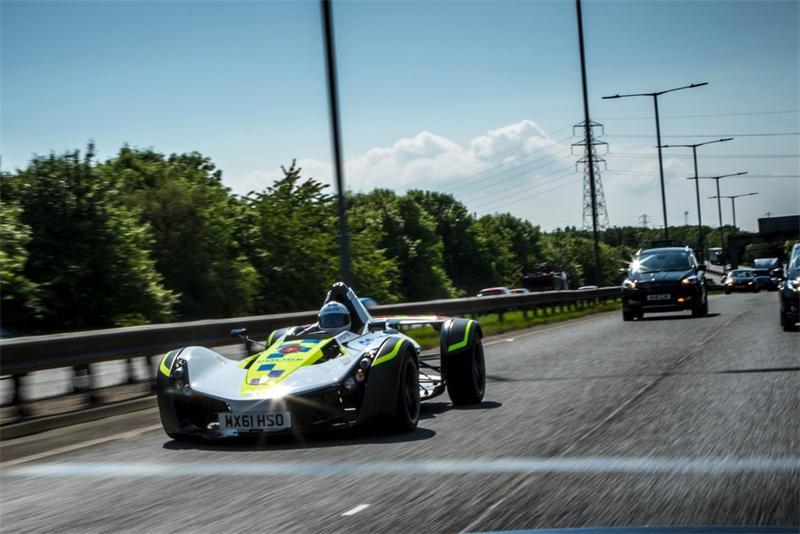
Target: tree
x,y
88,253
195,226
18,295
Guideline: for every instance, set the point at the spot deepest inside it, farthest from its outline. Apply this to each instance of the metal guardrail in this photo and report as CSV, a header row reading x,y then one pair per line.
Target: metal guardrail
x,y
19,356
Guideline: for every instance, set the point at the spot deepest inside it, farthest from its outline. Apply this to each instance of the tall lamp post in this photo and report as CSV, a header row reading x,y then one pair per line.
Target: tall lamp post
x,y
655,96
733,203
719,202
336,136
697,186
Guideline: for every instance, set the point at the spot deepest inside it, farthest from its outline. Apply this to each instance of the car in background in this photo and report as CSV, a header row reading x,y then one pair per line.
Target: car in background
x,y
773,265
519,291
789,292
740,280
587,288
765,279
664,280
494,291
368,302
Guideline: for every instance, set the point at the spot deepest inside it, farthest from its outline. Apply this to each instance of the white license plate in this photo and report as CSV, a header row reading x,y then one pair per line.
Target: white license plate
x,y
660,296
255,421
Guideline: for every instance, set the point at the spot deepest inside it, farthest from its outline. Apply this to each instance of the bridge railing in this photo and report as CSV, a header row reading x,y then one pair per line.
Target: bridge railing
x,y
19,356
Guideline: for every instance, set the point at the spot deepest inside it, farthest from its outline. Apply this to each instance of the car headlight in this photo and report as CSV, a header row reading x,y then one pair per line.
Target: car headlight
x,y
689,280
794,285
629,284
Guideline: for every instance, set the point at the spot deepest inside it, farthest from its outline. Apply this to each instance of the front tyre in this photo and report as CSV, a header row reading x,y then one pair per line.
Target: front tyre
x,y
628,315
408,402
466,375
701,310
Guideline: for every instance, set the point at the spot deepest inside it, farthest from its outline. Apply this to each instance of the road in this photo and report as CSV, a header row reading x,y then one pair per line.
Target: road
x,y
593,422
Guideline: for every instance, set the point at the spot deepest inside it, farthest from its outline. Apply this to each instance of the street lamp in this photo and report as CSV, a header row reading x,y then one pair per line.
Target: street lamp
x,y
719,202
733,203
697,185
655,96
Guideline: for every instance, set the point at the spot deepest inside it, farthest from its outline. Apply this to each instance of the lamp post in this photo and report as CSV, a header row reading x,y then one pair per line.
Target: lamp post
x,y
697,186
719,202
733,203
655,96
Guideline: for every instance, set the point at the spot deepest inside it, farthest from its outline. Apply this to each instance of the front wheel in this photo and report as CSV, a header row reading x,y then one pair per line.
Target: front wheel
x,y
701,310
408,403
628,316
466,375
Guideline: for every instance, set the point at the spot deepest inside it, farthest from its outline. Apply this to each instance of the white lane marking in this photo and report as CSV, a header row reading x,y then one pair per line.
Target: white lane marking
x,y
483,516
77,446
499,466
355,510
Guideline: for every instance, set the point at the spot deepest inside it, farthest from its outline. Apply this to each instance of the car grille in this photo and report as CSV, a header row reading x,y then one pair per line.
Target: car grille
x,y
656,285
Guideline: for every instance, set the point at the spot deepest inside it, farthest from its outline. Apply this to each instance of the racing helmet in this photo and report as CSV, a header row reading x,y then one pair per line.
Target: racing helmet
x,y
334,318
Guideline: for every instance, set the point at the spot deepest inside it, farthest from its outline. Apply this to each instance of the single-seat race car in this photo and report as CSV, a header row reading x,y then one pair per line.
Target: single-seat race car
x,y
342,371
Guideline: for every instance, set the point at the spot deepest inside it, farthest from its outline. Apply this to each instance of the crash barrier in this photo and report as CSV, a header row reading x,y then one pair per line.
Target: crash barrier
x,y
19,356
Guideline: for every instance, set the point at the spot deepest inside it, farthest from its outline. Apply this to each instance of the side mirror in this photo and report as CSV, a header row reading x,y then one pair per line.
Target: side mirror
x,y
239,332
701,267
623,269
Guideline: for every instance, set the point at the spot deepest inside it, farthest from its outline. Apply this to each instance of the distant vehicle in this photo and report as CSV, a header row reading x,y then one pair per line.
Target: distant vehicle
x,y
716,256
765,279
493,291
519,291
544,278
663,280
587,288
346,369
740,280
773,265
368,302
790,292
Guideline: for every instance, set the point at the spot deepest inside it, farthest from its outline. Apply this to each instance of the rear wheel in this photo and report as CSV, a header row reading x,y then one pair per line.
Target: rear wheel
x,y
466,375
408,403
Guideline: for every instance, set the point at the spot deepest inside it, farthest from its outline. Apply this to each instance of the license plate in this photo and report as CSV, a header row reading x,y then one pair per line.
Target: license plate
x,y
660,296
255,421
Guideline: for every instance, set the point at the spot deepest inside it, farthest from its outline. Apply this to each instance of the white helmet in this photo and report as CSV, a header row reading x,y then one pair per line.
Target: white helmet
x,y
334,318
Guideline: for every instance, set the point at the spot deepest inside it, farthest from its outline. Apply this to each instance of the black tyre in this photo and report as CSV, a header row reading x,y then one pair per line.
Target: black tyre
x,y
756,289
466,375
701,310
408,403
628,315
728,291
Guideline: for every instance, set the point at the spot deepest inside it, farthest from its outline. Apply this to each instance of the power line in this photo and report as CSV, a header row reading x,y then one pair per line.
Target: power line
x,y
520,186
706,115
767,134
505,179
528,197
715,156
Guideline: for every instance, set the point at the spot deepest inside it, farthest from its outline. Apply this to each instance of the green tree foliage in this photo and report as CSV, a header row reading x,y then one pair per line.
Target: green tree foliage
x,y
409,238
290,233
18,295
195,226
88,253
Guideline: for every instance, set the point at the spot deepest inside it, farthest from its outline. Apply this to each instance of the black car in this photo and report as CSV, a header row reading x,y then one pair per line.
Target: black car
x,y
664,280
740,280
766,279
790,292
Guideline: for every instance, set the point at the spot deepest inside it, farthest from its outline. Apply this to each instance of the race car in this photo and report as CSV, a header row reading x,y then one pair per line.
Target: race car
x,y
347,369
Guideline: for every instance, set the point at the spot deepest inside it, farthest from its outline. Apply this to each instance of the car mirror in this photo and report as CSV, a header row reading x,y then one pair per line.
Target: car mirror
x,y
701,267
623,269
239,332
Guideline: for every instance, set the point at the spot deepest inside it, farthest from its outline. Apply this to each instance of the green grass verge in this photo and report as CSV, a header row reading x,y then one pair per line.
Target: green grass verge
x,y
492,324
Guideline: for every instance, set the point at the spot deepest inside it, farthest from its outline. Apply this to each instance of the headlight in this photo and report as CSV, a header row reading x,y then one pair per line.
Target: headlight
x,y
629,284
794,285
689,280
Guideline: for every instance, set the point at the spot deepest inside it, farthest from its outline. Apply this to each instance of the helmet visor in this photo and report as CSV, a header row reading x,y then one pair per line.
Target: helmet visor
x,y
334,320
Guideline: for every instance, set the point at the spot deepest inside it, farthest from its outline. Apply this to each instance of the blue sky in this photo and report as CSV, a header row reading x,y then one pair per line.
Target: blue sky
x,y
467,97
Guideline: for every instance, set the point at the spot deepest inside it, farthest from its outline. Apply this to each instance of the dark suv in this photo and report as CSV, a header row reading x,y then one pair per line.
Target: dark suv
x,y
664,280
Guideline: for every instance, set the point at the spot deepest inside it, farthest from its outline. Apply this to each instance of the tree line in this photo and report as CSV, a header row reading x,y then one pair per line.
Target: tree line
x,y
145,237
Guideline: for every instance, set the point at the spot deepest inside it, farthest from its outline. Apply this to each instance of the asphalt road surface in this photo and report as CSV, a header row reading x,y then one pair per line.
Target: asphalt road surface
x,y
594,422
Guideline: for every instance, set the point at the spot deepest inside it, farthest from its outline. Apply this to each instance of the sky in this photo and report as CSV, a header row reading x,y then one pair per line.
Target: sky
x,y
477,99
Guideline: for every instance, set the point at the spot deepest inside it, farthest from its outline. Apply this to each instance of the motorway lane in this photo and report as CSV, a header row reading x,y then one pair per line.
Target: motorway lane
x,y
725,386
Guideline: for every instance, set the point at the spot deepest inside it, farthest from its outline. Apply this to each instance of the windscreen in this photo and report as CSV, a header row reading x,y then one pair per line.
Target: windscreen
x,y
669,261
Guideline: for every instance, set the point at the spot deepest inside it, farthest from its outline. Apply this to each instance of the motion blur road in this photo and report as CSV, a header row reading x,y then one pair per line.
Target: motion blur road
x,y
594,422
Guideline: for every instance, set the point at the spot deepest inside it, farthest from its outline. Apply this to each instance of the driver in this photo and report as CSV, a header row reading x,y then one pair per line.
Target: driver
x,y
333,318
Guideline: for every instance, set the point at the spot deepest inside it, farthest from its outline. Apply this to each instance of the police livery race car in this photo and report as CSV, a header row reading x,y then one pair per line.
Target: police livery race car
x,y
346,369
